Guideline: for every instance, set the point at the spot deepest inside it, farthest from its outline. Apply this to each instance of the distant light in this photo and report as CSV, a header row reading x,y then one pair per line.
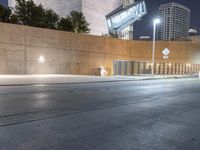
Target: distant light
x,y
41,59
156,21
170,64
145,37
193,31
188,65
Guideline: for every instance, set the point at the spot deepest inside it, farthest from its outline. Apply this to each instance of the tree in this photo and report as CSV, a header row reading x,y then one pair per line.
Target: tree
x,y
50,19
28,13
5,14
75,22
23,11
65,24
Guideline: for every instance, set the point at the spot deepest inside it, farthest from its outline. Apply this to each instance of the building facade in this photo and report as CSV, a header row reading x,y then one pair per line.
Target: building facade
x,y
175,21
127,33
120,21
94,10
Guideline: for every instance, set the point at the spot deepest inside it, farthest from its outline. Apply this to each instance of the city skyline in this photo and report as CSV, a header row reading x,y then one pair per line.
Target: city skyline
x,y
152,8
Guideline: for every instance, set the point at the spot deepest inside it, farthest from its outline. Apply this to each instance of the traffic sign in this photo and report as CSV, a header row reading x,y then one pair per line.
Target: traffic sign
x,y
165,57
166,52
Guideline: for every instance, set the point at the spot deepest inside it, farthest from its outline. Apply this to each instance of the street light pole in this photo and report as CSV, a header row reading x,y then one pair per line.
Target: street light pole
x,y
155,22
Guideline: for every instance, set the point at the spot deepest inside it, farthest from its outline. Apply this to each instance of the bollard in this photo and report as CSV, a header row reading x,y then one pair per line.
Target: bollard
x,y
199,74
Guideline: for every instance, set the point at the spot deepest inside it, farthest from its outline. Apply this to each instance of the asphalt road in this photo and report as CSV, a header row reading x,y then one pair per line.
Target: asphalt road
x,y
131,115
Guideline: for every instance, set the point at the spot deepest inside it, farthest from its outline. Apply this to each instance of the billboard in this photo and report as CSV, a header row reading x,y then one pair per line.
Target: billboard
x,y
123,17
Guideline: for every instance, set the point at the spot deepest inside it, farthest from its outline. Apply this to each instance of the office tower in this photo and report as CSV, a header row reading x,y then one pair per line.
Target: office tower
x,y
175,21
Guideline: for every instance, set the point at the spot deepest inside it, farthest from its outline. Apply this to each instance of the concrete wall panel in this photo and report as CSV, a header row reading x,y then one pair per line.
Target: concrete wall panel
x,y
80,42
116,47
10,33
69,53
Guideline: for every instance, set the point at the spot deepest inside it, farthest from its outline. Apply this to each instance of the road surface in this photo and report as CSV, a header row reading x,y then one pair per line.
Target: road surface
x,y
130,115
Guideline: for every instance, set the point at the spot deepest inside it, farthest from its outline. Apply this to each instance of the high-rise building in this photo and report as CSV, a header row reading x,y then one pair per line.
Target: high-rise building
x,y
94,10
175,21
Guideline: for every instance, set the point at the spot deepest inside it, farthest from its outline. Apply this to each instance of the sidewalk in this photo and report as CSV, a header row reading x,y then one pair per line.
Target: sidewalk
x,y
14,80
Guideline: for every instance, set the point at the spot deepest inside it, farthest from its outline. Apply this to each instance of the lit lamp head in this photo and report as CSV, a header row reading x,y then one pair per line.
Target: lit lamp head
x,y
156,21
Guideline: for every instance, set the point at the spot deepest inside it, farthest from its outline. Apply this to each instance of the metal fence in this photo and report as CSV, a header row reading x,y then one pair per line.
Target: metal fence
x,y
136,68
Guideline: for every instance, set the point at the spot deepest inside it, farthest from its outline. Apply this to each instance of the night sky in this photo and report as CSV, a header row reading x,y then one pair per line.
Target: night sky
x,y
144,27
4,2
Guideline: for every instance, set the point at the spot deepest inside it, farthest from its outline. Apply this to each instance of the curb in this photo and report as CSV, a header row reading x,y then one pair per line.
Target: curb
x,y
89,82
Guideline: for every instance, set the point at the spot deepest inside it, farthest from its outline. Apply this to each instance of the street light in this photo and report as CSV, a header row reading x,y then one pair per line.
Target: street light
x,y
155,22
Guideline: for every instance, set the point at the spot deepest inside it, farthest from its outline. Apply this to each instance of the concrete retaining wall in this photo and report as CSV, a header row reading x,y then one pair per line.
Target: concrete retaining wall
x,y
69,53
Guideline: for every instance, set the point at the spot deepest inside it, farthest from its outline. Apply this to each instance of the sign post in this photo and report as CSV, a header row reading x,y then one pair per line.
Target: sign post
x,y
165,52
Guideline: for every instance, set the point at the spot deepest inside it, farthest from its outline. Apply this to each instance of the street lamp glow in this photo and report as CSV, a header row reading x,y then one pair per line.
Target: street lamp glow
x,y
155,22
41,59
